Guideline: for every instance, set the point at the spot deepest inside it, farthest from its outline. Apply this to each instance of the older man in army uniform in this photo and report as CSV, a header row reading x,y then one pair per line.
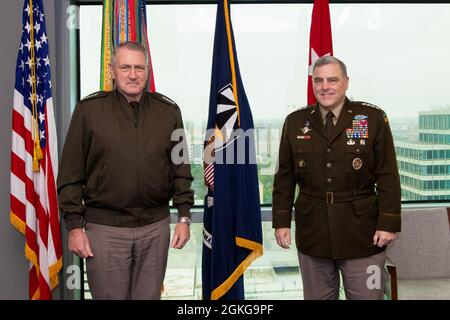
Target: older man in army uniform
x,y
341,155
116,179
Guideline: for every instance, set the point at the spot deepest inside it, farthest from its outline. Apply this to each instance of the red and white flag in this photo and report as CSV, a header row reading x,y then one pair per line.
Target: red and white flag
x,y
34,156
320,41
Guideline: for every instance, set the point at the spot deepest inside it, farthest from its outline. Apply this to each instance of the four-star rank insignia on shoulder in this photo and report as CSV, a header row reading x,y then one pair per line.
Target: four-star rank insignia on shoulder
x,y
98,94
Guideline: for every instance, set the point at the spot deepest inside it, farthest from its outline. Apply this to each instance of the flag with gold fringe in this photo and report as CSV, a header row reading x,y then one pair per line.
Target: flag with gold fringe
x,y
34,156
123,20
232,234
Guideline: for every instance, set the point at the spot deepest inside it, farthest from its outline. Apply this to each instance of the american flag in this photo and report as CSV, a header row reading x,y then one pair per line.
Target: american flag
x,y
34,156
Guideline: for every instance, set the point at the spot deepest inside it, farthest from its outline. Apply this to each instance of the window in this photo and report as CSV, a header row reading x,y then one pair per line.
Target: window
x,y
272,44
389,50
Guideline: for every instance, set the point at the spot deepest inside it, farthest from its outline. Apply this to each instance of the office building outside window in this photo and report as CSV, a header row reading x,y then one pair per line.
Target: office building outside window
x,y
424,163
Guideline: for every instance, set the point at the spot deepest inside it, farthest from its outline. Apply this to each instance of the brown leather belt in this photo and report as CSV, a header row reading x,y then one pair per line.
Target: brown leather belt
x,y
337,197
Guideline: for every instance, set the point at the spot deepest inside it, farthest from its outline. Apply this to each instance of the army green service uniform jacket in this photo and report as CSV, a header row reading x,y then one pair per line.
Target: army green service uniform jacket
x,y
349,185
116,167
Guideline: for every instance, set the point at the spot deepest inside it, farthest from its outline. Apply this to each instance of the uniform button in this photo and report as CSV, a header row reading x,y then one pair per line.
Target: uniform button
x,y
329,164
328,150
329,180
301,163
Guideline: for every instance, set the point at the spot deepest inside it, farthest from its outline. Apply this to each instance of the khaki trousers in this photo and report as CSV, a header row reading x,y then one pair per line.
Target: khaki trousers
x,y
128,263
363,278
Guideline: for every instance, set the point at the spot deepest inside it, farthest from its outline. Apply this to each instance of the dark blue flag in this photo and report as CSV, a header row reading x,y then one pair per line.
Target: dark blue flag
x,y
232,236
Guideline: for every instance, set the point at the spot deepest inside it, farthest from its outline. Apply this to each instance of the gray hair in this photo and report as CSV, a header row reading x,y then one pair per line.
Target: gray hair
x,y
130,45
322,61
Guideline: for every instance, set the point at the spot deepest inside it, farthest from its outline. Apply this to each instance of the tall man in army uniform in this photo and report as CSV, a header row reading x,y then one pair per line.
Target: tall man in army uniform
x,y
341,155
116,179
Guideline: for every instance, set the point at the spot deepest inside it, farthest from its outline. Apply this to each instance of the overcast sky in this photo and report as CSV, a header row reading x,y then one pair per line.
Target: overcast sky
x,y
397,55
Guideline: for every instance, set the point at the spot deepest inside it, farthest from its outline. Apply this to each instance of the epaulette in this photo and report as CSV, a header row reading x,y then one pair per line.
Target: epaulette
x,y
98,94
164,99
366,104
299,109
303,108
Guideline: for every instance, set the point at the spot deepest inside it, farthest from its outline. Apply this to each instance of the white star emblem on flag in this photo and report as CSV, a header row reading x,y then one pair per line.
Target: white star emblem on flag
x,y
314,58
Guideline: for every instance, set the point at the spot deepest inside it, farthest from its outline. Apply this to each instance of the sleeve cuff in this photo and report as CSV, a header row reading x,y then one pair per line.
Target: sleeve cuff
x,y
390,222
281,219
73,221
184,210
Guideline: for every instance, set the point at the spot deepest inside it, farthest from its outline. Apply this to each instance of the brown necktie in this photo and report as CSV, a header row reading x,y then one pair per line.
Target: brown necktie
x,y
329,125
135,106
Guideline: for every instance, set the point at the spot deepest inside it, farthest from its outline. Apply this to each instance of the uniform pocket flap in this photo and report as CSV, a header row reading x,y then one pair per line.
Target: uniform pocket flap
x,y
303,205
357,149
365,206
303,147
